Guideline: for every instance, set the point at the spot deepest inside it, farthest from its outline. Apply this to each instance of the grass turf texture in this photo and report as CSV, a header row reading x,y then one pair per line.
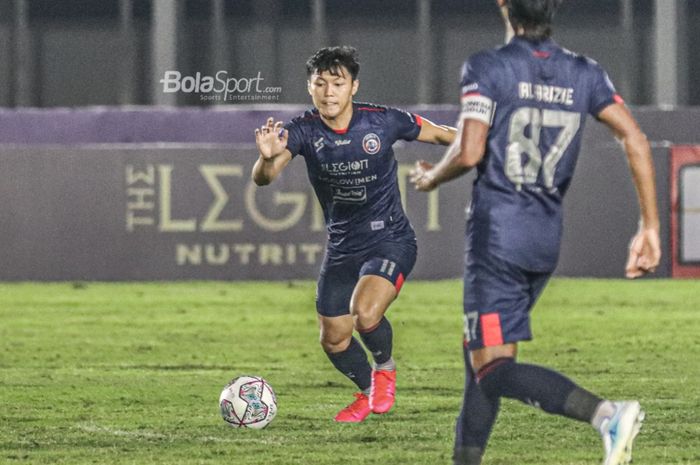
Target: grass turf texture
x,y
131,374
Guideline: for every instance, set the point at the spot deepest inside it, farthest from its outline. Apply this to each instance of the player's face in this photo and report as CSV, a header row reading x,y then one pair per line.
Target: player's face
x,y
332,94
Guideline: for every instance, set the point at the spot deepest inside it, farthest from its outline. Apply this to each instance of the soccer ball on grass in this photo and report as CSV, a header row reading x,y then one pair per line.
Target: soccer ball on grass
x,y
248,402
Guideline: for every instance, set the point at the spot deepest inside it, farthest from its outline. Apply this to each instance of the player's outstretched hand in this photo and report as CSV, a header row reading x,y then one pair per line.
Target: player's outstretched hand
x,y
504,14
271,139
644,254
421,178
504,9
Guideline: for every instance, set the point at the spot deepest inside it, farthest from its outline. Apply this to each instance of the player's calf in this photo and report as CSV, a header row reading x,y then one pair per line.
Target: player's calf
x,y
538,386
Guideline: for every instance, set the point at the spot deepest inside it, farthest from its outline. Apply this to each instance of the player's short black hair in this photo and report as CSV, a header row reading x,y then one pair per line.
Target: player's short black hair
x,y
534,16
331,59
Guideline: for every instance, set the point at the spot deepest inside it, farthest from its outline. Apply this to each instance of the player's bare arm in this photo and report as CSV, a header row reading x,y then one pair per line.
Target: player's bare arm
x,y
271,141
466,149
464,153
645,250
504,14
432,133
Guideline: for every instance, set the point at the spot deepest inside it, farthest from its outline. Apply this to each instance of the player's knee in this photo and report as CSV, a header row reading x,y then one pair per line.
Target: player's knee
x,y
334,343
365,316
480,358
366,321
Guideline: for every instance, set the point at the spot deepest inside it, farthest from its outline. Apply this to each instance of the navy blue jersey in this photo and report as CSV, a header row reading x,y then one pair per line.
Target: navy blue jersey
x,y
353,172
535,97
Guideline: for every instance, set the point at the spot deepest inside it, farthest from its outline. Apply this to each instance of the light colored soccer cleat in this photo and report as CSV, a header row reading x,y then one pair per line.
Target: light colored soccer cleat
x,y
383,391
619,432
355,412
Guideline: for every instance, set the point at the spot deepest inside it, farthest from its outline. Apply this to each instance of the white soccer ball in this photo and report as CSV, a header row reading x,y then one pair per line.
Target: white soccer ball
x,y
248,402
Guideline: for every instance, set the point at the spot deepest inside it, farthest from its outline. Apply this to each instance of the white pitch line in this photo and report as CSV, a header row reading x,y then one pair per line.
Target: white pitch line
x,y
92,428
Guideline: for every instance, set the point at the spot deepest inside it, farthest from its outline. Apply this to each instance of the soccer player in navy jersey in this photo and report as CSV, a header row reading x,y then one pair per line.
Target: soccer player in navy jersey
x,y
524,106
371,245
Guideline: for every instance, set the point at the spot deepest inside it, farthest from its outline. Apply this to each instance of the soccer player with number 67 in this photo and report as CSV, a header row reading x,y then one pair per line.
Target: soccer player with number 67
x,y
524,106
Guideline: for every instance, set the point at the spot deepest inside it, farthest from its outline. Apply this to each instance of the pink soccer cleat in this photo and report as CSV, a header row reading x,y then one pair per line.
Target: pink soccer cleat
x,y
355,412
383,392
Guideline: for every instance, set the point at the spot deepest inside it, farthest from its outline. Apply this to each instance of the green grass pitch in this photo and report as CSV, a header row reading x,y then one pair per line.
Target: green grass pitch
x,y
131,374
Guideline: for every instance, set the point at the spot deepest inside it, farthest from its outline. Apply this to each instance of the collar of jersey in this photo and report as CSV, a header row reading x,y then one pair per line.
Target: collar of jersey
x,y
341,132
546,44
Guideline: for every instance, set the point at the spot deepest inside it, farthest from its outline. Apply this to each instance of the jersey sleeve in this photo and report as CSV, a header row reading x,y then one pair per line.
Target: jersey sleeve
x,y
603,91
405,125
478,86
295,140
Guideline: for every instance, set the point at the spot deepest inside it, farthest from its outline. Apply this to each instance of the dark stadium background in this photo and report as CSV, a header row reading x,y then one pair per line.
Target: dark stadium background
x,y
104,52
115,342
82,102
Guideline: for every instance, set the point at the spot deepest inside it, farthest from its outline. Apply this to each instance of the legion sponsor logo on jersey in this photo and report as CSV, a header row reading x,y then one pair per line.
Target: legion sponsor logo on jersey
x,y
371,143
346,167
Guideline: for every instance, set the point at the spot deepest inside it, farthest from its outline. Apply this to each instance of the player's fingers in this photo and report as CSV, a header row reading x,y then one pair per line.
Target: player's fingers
x,y
655,256
639,265
415,175
648,263
270,122
278,126
633,274
284,135
632,268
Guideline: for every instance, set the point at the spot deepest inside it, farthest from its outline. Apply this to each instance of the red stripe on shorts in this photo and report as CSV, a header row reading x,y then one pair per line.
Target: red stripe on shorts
x,y
399,282
491,329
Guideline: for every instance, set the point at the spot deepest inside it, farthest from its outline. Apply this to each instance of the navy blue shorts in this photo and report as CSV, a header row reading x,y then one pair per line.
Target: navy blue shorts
x,y
340,273
498,297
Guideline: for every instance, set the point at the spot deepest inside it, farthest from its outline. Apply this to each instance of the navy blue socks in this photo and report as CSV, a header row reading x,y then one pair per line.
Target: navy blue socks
x,y
537,386
378,341
353,363
475,421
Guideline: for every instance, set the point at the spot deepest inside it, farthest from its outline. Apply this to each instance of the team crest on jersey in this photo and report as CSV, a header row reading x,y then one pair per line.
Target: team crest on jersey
x,y
371,143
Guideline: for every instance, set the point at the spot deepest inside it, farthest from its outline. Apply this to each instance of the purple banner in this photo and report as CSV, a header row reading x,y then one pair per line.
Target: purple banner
x,y
148,194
